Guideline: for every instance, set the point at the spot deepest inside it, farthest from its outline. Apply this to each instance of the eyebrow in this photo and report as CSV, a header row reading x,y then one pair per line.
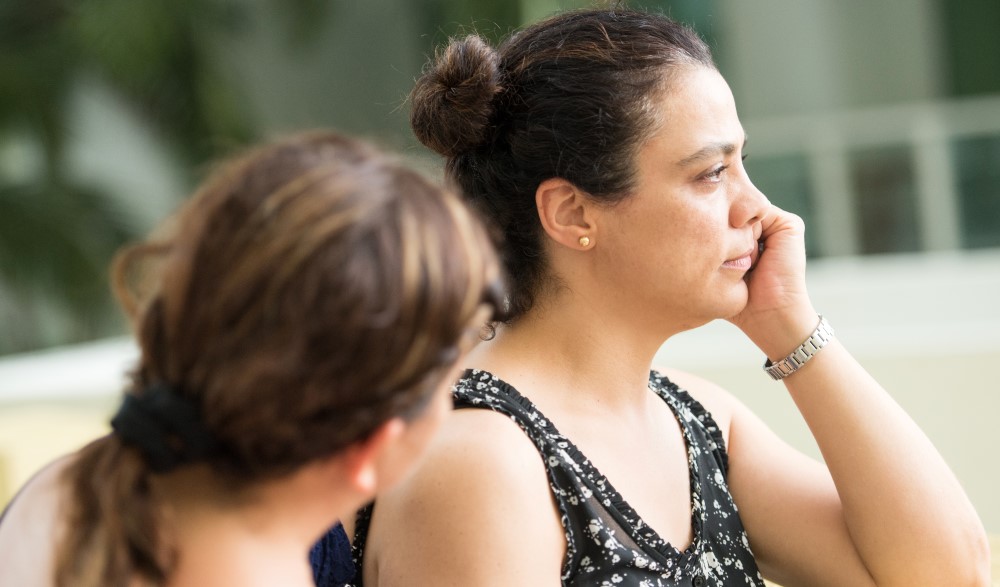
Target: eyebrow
x,y
711,150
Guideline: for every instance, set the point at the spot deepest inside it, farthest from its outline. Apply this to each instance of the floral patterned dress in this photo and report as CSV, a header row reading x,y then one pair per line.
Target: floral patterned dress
x,y
608,544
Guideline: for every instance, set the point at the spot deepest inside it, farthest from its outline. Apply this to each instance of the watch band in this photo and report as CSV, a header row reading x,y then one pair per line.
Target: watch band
x,y
807,350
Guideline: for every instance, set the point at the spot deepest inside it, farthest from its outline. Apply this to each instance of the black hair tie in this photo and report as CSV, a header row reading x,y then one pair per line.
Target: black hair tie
x,y
165,426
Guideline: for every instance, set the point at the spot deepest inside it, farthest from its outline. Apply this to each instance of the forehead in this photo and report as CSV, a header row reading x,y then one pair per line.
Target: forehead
x,y
696,109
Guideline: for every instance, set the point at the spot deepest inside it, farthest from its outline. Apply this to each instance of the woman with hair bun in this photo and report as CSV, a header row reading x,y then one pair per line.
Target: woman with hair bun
x,y
299,323
604,149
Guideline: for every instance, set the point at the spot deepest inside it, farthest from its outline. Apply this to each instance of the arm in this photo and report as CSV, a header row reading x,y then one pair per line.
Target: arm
x,y
886,509
788,503
29,532
477,512
901,508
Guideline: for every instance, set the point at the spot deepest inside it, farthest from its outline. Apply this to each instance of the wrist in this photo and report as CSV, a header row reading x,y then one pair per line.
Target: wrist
x,y
778,333
810,347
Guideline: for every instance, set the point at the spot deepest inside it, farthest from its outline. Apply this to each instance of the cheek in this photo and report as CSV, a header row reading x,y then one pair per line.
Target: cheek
x,y
440,405
700,230
666,233
423,430
688,236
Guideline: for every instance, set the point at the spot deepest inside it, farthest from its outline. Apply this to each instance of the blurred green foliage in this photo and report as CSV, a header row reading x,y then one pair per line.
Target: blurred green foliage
x,y
57,232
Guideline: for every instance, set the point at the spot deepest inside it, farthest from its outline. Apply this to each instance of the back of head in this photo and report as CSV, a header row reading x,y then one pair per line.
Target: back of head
x,y
310,291
293,276
572,96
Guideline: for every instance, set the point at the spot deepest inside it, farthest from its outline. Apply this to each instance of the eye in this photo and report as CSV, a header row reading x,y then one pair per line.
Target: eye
x,y
715,174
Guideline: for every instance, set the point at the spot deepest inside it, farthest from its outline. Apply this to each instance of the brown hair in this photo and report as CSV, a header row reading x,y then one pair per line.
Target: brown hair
x,y
571,96
308,292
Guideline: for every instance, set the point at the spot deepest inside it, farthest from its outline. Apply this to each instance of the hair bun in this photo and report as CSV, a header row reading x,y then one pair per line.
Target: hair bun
x,y
452,100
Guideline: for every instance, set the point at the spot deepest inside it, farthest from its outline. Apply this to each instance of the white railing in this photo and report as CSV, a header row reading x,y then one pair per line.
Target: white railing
x,y
928,128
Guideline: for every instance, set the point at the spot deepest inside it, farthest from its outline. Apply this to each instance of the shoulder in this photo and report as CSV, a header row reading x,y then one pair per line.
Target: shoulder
x,y
723,407
482,487
30,527
484,437
476,448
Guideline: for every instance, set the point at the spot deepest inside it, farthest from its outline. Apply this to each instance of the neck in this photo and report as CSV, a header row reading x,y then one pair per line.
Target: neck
x,y
575,345
269,524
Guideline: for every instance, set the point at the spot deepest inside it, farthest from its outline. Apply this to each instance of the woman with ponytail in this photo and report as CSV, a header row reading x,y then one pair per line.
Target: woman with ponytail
x,y
299,321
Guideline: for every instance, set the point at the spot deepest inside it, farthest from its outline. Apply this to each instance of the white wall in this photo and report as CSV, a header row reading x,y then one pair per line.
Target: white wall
x,y
787,57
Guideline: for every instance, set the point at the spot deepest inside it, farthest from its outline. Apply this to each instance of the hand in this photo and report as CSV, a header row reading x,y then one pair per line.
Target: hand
x,y
778,314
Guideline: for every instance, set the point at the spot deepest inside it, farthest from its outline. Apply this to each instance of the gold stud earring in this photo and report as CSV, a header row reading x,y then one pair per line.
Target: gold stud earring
x,y
584,241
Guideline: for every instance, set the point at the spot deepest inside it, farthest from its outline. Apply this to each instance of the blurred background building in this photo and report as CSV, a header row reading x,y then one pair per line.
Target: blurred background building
x,y
878,123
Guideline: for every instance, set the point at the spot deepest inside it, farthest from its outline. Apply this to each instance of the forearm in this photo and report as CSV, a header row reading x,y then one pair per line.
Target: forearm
x,y
908,516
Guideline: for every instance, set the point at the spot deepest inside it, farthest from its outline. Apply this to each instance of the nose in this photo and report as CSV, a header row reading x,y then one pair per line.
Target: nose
x,y
750,205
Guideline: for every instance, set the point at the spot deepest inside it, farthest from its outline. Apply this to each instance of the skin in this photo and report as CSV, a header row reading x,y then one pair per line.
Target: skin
x,y
265,538
672,257
260,536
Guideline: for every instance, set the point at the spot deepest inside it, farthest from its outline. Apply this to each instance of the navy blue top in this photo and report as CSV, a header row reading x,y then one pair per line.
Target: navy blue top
x,y
331,559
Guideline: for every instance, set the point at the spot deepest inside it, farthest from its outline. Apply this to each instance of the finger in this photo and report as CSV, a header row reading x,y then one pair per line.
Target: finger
x,y
772,217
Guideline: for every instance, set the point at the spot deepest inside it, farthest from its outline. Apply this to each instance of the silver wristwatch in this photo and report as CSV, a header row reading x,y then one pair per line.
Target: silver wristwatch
x,y
793,362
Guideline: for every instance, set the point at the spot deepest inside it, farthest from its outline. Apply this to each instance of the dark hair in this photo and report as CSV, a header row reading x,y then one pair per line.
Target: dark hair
x,y
571,97
310,291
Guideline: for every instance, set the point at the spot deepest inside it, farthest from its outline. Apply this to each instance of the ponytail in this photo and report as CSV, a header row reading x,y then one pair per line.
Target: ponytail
x,y
112,531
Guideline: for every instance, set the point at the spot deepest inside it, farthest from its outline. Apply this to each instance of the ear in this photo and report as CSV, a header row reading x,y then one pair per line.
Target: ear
x,y
360,462
565,212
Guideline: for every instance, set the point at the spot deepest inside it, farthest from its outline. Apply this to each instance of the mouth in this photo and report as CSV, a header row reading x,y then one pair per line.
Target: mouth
x,y
742,262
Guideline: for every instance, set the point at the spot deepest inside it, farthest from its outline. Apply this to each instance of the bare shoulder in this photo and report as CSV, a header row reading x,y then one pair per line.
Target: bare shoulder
x,y
721,404
30,527
482,488
479,431
479,457
474,449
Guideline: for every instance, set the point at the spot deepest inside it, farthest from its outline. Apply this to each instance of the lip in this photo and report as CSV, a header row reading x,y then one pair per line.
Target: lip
x,y
742,262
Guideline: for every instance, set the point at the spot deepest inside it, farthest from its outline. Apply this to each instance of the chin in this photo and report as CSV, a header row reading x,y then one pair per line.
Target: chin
x,y
734,304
